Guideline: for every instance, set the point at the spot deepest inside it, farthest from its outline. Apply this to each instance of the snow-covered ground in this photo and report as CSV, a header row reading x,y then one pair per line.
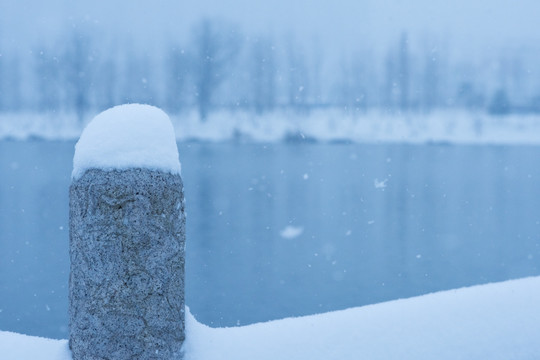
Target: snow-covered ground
x,y
322,125
494,321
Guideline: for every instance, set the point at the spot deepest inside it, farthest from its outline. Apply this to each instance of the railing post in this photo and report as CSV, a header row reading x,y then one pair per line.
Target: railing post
x,y
127,238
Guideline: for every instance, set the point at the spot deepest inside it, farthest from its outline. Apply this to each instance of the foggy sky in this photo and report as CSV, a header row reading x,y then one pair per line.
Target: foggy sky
x,y
467,25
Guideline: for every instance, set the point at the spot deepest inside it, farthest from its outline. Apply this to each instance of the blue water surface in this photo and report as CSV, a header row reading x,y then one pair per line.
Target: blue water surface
x,y
290,229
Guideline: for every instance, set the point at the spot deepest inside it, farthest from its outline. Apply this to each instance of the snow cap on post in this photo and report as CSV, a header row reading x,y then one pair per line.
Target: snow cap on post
x,y
127,136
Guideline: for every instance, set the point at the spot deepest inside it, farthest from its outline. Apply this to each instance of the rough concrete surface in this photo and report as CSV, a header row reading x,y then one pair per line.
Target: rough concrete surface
x,y
126,284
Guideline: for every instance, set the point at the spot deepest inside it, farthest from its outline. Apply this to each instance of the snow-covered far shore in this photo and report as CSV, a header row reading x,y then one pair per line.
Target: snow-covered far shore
x,y
319,125
494,321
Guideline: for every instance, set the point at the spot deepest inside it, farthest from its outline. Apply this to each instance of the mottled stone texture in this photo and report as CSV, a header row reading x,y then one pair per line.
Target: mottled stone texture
x,y
126,285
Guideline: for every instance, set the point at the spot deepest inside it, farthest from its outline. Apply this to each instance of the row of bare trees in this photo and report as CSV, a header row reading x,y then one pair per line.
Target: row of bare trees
x,y
219,67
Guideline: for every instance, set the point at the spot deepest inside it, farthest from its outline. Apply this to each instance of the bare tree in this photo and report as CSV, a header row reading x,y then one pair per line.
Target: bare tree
x,y
389,88
216,47
298,79
2,80
431,81
77,65
263,75
354,83
178,65
48,80
106,84
13,94
404,72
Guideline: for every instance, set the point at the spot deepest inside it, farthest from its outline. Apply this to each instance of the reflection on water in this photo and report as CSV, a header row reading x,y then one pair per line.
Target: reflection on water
x,y
364,224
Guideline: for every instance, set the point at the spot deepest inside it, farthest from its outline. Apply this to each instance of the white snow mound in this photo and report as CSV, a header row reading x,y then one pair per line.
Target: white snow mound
x,y
127,136
495,321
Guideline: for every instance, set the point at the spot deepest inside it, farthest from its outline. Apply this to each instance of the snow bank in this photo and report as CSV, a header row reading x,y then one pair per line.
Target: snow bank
x,y
47,126
322,125
494,321
127,136
21,347
373,127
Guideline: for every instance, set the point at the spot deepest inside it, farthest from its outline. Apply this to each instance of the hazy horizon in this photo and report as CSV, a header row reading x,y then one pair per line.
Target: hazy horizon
x,y
467,28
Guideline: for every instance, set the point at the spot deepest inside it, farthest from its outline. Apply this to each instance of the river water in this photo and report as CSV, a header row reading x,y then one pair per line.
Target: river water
x,y
291,229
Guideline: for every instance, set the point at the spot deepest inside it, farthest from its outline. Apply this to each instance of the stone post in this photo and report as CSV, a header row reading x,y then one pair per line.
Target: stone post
x,y
127,240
